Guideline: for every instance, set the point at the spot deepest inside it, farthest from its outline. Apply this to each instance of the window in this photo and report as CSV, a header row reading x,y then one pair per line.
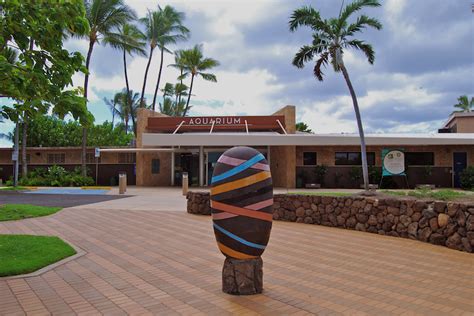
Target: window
x,y
419,159
56,158
90,158
310,159
155,166
353,159
126,158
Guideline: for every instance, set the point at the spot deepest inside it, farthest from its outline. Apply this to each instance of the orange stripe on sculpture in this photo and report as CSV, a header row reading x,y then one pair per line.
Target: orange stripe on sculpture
x,y
241,211
233,253
229,186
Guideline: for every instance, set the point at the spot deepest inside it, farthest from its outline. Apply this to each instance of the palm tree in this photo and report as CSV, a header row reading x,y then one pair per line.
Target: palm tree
x,y
176,107
179,64
127,103
113,108
464,104
330,37
195,64
171,31
104,17
130,40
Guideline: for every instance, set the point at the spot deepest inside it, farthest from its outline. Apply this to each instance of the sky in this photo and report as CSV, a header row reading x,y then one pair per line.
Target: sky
x,y
424,61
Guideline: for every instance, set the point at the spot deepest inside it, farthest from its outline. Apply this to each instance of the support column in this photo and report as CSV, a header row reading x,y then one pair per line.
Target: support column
x,y
172,167
268,155
201,166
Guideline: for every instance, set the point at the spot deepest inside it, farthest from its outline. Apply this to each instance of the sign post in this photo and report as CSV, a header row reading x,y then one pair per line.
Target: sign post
x,y
97,156
393,164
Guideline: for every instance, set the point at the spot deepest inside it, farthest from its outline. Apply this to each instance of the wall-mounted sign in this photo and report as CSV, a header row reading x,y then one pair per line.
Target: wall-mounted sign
x,y
170,124
393,162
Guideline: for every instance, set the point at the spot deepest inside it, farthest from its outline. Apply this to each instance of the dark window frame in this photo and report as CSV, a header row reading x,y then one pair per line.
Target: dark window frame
x,y
155,166
315,158
410,158
345,158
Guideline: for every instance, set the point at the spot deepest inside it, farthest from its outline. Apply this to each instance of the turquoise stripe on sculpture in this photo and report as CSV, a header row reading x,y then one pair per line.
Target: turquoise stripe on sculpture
x,y
243,241
249,163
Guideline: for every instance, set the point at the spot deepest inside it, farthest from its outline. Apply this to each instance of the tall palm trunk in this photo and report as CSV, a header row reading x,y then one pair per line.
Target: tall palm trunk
x,y
146,75
84,129
365,170
24,163
129,97
159,77
189,96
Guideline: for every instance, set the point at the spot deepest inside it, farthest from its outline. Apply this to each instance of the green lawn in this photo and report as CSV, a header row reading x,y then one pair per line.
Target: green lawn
x,y
20,254
18,188
323,193
443,194
10,212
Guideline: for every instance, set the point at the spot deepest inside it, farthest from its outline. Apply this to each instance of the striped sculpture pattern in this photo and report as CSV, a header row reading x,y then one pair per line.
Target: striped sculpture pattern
x,y
242,203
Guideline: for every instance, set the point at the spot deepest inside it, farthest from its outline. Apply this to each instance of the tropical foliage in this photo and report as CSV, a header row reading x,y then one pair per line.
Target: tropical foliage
x,y
329,40
50,131
464,104
303,127
56,176
104,17
467,178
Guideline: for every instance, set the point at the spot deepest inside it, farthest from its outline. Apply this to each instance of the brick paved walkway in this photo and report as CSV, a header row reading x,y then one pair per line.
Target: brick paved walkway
x,y
141,262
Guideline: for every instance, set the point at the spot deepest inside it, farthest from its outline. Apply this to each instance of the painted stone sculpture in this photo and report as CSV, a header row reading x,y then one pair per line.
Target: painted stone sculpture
x,y
242,212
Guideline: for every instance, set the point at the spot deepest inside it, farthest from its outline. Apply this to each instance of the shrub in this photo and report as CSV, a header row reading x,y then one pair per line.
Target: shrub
x,y
467,178
320,172
55,176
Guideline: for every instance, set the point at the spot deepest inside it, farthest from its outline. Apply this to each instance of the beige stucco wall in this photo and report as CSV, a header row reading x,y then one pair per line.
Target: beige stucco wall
x,y
463,124
144,175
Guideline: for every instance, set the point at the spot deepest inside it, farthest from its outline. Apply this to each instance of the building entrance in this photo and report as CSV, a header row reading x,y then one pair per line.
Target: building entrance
x,y
186,162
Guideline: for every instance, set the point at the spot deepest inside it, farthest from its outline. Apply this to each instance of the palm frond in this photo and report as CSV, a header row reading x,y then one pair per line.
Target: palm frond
x,y
362,22
306,53
356,6
364,47
307,16
322,62
208,77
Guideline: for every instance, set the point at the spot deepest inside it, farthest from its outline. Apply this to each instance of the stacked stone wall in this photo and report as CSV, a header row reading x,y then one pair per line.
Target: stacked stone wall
x,y
441,223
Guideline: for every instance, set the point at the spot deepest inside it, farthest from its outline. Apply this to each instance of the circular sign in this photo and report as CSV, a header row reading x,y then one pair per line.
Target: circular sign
x,y
394,162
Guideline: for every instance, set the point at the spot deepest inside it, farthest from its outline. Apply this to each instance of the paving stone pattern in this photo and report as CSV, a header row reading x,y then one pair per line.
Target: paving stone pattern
x,y
441,223
159,262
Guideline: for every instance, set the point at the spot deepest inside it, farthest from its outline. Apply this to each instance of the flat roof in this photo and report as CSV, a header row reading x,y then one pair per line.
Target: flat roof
x,y
457,115
275,139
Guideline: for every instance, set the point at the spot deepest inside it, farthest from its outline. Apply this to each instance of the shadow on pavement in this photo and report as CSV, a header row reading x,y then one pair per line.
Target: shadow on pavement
x,y
59,200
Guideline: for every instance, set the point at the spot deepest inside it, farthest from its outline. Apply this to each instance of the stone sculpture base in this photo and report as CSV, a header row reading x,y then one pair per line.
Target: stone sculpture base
x,y
242,277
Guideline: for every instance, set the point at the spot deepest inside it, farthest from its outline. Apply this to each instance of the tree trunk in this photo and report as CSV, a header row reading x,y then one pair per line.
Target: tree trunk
x,y
17,144
84,129
189,96
146,75
129,96
24,163
159,78
365,170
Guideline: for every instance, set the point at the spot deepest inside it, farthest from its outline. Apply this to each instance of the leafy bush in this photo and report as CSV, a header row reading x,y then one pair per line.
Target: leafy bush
x,y
55,176
320,171
467,178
